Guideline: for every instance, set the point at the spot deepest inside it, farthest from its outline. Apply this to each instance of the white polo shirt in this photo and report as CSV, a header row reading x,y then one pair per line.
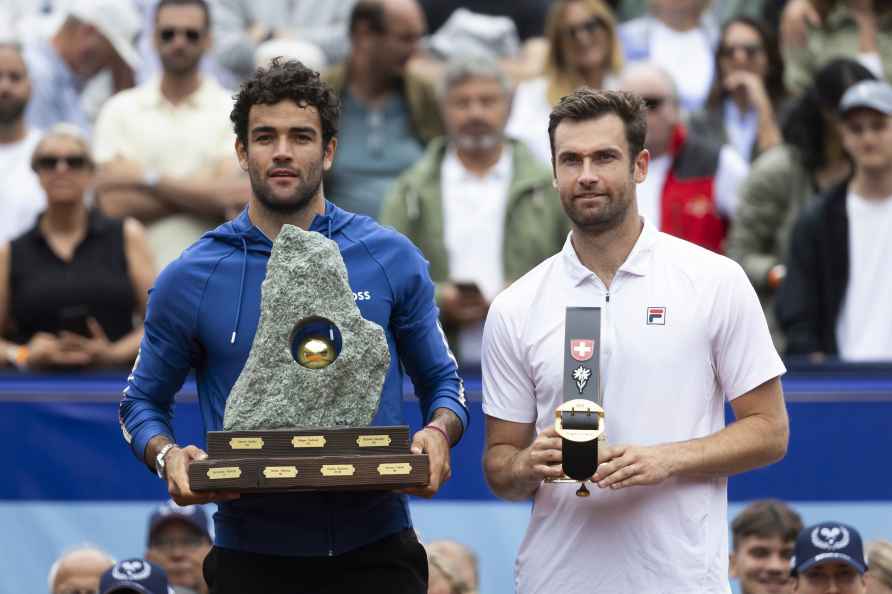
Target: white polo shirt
x,y
663,381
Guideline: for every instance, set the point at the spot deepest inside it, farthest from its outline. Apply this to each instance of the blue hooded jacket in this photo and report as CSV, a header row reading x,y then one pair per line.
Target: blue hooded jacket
x,y
202,314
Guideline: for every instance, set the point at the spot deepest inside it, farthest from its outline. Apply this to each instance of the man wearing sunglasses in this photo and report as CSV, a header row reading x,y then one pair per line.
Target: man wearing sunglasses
x,y
164,147
691,185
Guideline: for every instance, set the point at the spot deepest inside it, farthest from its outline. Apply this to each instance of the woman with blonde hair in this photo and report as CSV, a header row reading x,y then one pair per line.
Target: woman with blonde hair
x,y
73,289
583,50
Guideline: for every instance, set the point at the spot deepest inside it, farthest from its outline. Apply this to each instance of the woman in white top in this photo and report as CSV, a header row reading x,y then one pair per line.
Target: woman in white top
x,y
583,50
747,93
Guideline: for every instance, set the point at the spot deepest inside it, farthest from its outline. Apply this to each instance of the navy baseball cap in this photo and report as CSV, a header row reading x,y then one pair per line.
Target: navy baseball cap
x,y
134,575
828,541
194,515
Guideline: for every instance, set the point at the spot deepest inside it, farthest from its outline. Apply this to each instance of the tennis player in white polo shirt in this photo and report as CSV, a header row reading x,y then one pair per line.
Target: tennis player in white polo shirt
x,y
682,331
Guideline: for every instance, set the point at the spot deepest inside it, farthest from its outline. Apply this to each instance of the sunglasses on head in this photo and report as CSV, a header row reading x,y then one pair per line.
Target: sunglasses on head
x,y
51,162
750,49
590,27
168,33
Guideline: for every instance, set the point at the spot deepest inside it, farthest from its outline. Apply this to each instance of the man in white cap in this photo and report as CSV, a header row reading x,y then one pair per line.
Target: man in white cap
x,y
832,301
94,35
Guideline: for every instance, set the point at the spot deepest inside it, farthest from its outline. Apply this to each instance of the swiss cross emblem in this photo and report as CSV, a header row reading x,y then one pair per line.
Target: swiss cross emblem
x,y
581,349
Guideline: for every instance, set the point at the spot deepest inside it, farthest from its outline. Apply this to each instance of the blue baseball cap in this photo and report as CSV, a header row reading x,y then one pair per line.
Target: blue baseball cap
x,y
193,515
828,541
134,575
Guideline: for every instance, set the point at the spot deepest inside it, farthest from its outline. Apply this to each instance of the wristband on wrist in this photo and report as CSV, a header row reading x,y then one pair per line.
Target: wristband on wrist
x,y
440,431
18,355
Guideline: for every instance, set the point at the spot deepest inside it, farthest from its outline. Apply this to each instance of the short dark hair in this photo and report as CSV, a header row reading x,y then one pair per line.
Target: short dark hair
x,y
286,80
200,3
589,104
371,12
766,518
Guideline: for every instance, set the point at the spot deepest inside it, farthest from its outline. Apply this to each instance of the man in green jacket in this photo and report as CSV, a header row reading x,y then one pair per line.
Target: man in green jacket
x,y
480,207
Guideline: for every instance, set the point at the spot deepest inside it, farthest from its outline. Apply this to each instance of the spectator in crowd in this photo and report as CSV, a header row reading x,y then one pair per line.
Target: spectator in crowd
x,y
814,32
747,92
388,115
21,197
79,570
878,579
164,148
717,10
241,27
478,205
71,287
676,32
784,178
691,185
178,542
94,35
457,563
828,557
834,298
583,49
763,536
134,576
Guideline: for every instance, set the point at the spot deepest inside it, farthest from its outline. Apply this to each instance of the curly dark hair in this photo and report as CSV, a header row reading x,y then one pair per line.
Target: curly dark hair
x,y
286,80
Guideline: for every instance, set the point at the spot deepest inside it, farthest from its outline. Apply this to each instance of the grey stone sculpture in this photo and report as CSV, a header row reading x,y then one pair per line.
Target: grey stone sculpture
x,y
306,277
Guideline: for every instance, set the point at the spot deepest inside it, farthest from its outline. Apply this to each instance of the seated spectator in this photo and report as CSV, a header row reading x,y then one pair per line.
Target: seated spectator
x,y
583,49
134,576
478,206
763,536
691,185
814,32
671,34
878,579
165,148
21,197
79,570
743,104
178,542
828,557
72,286
834,298
784,178
242,27
456,563
94,35
387,114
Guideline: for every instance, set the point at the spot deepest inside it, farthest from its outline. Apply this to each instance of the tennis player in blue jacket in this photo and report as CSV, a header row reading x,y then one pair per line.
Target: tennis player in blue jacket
x,y
202,314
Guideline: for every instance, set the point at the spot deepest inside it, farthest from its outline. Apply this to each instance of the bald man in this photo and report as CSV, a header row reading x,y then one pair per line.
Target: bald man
x,y
388,115
456,559
79,570
691,185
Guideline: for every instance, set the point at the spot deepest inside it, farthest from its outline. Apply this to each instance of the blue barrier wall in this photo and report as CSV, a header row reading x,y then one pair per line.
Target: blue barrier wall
x,y
70,478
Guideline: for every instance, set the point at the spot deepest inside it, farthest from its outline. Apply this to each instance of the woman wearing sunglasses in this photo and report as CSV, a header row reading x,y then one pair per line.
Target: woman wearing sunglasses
x,y
583,50
745,97
73,287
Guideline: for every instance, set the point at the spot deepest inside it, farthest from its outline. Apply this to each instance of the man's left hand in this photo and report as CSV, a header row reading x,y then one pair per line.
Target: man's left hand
x,y
631,465
433,443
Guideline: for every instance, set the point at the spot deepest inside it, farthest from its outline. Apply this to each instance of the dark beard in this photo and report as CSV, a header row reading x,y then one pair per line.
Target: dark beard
x,y
180,68
10,113
298,201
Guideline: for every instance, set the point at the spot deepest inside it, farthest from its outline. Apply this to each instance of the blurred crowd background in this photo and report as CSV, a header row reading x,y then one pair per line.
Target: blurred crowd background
x,y
117,152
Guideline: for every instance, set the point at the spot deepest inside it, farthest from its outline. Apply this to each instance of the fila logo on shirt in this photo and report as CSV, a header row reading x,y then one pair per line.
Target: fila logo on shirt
x,y
656,316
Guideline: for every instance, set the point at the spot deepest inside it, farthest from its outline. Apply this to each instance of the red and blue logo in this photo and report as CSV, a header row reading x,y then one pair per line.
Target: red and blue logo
x,y
656,316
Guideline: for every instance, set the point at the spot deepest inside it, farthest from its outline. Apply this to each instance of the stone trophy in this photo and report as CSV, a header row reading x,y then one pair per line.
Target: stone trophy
x,y
298,416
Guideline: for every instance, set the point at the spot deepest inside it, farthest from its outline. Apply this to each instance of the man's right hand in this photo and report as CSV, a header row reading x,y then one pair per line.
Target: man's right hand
x,y
460,307
541,460
176,467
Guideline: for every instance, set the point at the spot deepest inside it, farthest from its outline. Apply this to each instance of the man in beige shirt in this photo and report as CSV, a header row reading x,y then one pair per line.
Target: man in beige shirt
x,y
165,148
